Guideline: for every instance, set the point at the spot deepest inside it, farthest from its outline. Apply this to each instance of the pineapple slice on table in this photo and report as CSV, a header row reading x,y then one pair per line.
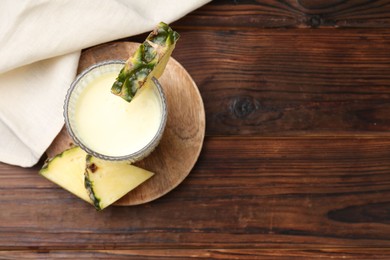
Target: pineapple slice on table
x,y
149,60
108,181
67,171
96,181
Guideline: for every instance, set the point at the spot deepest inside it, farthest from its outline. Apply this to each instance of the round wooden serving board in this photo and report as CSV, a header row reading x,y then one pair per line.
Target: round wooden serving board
x,y
182,141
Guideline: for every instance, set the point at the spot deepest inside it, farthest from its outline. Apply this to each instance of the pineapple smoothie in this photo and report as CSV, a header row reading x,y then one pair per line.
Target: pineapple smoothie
x,y
111,126
105,123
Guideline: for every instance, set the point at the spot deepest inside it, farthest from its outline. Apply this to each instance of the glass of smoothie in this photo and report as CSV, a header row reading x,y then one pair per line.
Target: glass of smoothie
x,y
108,127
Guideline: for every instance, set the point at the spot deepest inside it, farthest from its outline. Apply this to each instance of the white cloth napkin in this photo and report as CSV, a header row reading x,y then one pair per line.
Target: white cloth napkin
x,y
40,43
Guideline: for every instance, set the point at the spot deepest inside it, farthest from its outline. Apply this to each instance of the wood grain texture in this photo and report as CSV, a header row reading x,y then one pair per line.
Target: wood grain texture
x,y
184,131
263,254
244,193
290,14
291,82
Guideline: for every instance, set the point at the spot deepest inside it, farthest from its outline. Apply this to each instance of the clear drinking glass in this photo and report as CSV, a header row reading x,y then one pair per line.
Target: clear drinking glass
x,y
70,110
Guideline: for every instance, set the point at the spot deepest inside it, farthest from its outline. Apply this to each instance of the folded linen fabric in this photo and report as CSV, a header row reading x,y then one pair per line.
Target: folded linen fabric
x,y
40,47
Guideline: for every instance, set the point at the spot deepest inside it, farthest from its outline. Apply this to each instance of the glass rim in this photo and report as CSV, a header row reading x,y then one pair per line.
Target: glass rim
x,y
132,157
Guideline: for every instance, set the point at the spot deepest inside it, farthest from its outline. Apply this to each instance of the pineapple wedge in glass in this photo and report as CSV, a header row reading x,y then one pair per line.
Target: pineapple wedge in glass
x,y
148,61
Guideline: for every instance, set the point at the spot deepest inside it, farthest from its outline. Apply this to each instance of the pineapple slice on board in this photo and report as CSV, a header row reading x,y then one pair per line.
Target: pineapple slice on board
x,y
108,181
148,61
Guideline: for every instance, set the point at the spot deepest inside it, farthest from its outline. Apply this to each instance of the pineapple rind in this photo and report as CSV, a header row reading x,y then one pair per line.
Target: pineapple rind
x,y
89,184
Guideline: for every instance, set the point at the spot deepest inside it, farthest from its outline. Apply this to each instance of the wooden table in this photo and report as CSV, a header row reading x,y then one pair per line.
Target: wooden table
x,y
296,159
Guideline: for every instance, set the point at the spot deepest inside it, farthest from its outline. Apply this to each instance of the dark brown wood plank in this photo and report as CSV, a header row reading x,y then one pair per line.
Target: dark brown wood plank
x,y
290,14
291,82
244,193
264,254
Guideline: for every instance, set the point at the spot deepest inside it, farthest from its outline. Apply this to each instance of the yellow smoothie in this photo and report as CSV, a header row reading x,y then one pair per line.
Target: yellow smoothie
x,y
108,125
